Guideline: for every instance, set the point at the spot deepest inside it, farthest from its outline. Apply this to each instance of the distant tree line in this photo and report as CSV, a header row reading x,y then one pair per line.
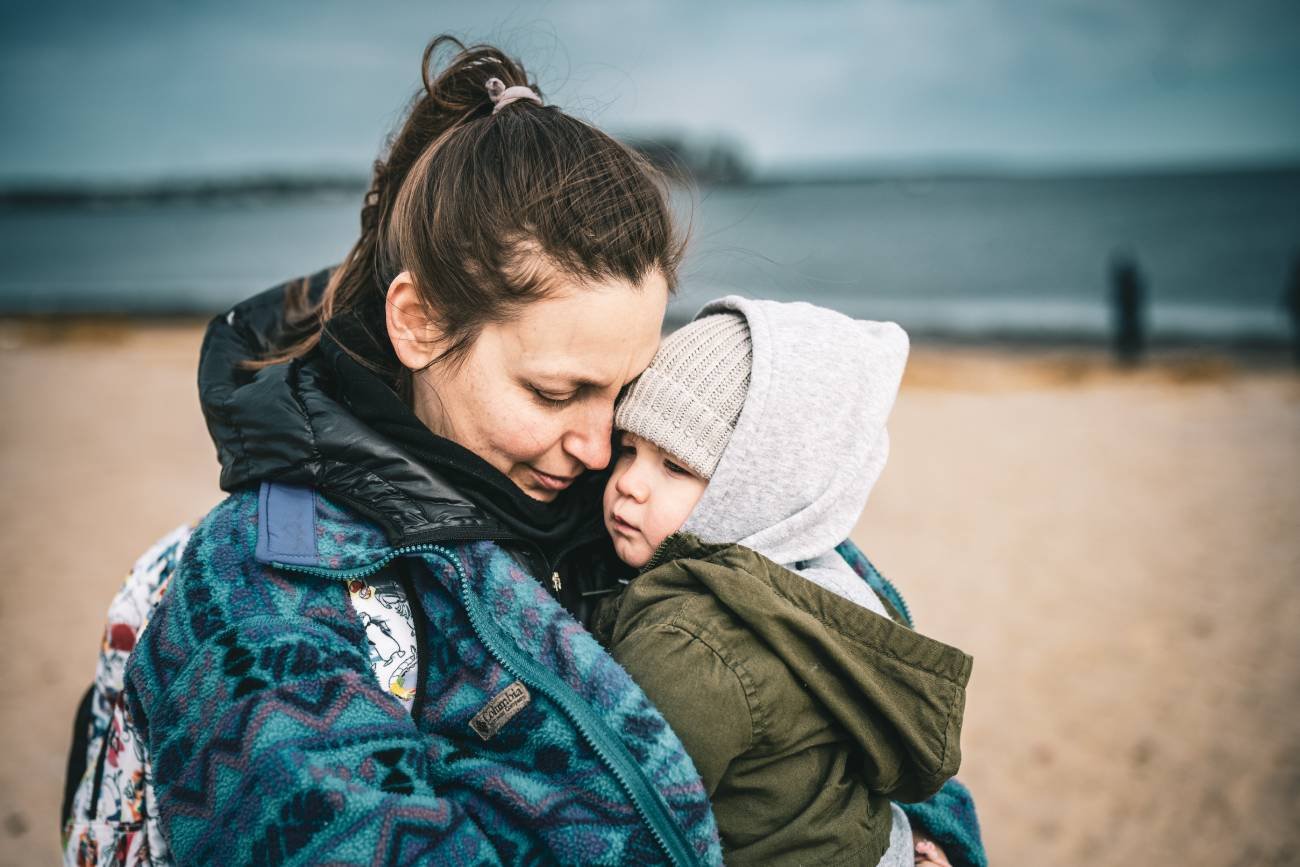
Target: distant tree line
x,y
708,162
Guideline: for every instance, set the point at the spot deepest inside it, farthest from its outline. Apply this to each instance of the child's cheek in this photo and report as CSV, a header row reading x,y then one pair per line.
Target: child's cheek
x,y
651,529
631,553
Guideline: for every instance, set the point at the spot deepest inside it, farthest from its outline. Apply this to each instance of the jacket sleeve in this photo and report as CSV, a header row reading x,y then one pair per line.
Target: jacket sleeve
x,y
703,699
272,742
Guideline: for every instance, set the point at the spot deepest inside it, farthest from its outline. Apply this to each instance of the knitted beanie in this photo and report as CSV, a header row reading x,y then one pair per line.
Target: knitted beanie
x,y
689,398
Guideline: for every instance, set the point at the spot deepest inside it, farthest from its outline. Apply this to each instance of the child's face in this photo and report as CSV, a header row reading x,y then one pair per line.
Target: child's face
x,y
647,499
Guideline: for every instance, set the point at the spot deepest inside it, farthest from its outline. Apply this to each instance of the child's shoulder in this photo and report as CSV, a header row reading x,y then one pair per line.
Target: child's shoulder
x,y
684,591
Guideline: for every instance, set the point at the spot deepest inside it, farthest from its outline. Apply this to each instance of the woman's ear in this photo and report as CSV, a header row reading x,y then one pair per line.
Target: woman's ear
x,y
415,336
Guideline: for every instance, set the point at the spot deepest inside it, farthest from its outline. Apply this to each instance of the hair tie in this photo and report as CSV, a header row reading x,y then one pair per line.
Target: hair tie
x,y
502,96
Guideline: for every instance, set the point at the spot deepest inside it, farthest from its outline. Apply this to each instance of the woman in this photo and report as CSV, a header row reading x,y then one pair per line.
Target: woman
x,y
419,428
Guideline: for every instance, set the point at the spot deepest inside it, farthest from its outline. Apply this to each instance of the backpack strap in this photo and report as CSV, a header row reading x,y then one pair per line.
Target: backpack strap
x,y
81,726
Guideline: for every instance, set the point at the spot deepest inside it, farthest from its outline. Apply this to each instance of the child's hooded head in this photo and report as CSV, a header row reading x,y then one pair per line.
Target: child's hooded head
x,y
674,422
781,409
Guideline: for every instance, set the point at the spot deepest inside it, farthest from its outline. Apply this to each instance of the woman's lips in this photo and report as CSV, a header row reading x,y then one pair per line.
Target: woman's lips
x,y
550,482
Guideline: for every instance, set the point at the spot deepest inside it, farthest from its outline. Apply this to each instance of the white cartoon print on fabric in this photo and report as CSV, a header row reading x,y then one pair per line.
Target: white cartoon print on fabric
x,y
384,610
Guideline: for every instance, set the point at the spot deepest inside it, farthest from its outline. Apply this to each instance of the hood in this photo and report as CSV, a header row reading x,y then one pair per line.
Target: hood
x,y
810,441
327,422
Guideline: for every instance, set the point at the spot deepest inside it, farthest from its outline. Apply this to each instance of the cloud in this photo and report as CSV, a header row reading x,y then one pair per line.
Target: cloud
x,y
148,88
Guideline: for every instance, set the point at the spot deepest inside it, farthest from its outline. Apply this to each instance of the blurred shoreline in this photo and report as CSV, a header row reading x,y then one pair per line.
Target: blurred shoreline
x,y
937,360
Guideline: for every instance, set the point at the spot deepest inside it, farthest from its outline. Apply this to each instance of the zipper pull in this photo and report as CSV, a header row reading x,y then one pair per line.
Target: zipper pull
x,y
555,581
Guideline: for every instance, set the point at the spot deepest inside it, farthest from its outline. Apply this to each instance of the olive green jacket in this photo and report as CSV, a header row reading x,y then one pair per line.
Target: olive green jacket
x,y
804,713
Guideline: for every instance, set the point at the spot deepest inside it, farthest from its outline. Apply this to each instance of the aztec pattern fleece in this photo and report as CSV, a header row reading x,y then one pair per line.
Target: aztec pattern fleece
x,y
112,818
254,692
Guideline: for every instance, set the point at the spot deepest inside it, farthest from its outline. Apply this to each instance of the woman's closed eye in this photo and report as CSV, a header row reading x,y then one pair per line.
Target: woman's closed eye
x,y
552,400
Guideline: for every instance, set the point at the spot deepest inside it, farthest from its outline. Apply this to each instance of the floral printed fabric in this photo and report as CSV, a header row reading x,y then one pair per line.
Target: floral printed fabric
x,y
113,822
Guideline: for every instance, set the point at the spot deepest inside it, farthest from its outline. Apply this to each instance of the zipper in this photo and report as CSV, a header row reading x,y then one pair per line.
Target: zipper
x,y
656,556
359,572
604,743
645,798
898,597
420,620
403,550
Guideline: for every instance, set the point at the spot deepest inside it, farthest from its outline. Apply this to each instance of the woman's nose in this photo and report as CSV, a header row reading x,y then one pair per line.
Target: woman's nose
x,y
589,442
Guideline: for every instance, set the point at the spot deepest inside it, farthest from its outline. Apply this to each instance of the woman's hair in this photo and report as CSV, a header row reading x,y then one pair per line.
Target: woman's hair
x,y
486,211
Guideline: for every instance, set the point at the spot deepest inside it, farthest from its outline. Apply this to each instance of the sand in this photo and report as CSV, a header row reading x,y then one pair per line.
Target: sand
x,y
1119,551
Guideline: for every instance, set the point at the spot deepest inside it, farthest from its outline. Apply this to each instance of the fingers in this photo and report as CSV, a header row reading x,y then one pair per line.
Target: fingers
x,y
927,851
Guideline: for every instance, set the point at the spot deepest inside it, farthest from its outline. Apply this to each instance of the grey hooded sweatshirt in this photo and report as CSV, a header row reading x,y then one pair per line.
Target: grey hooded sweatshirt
x,y
810,441
806,708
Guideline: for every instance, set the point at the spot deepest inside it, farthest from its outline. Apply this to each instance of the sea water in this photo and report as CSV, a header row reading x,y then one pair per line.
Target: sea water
x,y
1007,257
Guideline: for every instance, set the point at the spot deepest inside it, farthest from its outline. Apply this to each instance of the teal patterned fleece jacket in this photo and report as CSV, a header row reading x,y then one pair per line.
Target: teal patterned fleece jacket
x,y
273,743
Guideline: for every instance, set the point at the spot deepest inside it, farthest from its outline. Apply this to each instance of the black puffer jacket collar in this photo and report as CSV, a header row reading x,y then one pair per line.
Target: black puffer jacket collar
x,y
326,422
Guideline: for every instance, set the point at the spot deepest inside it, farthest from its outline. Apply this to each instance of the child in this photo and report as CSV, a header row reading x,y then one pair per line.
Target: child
x,y
745,455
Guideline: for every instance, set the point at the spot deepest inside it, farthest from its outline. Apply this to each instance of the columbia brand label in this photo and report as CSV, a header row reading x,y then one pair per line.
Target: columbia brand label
x,y
500,710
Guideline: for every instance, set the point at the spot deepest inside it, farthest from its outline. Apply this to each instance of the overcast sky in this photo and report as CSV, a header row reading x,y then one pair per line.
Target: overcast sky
x,y
131,89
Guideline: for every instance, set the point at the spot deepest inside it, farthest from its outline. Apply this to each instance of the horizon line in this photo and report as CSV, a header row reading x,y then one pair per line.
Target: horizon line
x,y
285,183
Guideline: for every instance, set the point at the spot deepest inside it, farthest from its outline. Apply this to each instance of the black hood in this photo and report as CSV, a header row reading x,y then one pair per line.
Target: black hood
x,y
328,422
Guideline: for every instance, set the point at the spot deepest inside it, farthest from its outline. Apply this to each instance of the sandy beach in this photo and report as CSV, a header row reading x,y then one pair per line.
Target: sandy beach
x,y
1119,551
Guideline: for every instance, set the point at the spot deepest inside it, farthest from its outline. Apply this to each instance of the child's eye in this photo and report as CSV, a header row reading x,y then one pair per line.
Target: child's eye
x,y
676,469
625,450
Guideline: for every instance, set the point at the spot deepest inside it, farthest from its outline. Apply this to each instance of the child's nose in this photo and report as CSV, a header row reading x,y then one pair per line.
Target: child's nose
x,y
631,484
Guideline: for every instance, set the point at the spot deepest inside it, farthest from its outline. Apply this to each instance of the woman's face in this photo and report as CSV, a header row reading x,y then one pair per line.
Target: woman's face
x,y
534,395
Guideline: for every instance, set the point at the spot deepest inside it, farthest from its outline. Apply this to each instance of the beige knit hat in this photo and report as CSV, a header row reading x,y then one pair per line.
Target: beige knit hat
x,y
689,398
